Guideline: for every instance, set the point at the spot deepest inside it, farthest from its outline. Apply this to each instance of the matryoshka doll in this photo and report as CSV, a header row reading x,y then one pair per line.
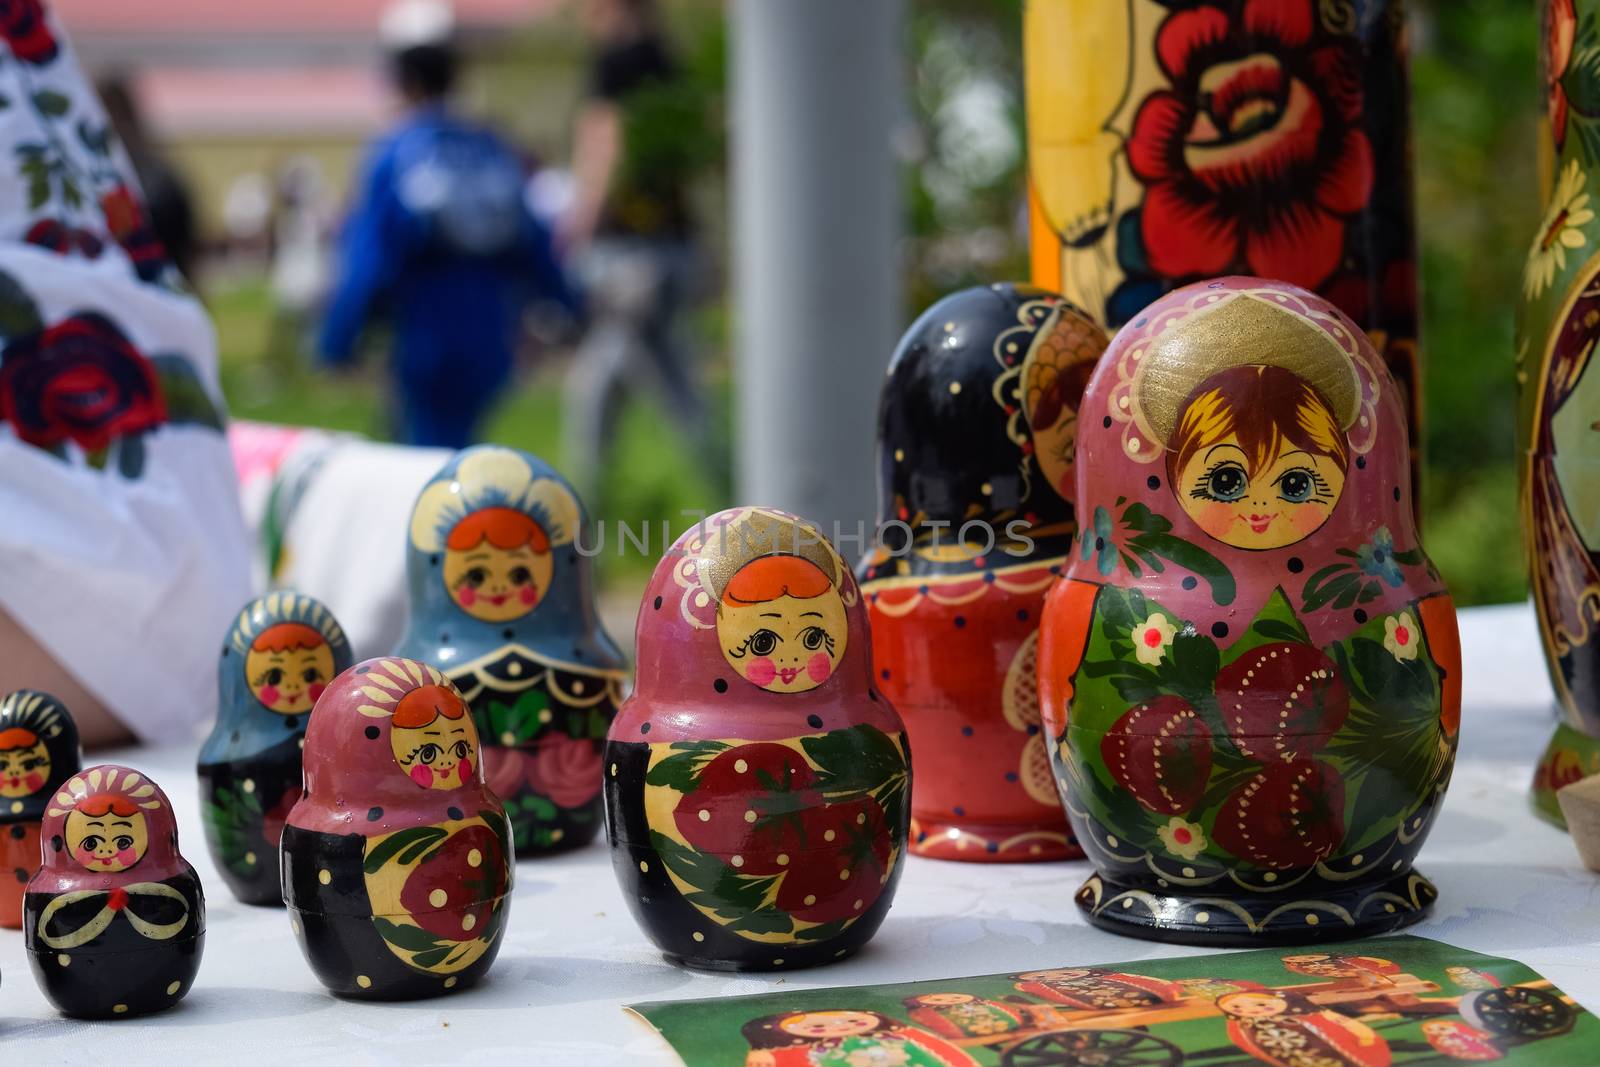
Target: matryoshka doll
x,y
282,651
502,602
38,751
1251,671
396,861
115,920
845,1037
1283,1028
975,456
756,781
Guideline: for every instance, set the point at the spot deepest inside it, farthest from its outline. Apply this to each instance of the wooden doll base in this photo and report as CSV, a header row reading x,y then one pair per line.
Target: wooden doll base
x,y
118,985
19,858
1327,912
990,842
348,956
1570,756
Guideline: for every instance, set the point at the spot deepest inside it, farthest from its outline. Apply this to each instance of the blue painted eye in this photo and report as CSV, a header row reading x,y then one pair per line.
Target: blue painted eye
x,y
1227,482
1296,486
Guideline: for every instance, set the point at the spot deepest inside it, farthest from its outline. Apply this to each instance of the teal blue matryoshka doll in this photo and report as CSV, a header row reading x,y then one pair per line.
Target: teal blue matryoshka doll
x,y
503,603
280,654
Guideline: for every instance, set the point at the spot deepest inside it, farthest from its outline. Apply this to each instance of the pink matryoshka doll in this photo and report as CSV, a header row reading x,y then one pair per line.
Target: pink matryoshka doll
x,y
1251,671
115,920
975,485
756,781
396,860
846,1037
38,752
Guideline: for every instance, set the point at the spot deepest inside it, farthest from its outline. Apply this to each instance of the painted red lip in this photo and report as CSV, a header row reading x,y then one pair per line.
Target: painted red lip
x,y
498,600
1259,523
788,674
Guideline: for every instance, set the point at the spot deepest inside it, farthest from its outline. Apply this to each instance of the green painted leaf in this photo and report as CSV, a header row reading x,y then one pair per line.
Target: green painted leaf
x,y
186,398
19,315
403,936
52,103
1582,80
681,770
416,838
854,761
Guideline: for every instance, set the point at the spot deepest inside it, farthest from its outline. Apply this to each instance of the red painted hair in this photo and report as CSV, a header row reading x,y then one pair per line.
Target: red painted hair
x,y
504,528
771,577
101,803
286,637
425,704
17,737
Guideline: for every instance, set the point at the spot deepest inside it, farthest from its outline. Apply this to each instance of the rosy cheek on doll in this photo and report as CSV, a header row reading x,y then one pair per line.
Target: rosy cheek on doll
x,y
1217,518
33,782
270,695
86,856
528,594
1306,518
127,856
317,689
467,596
423,776
761,671
463,771
819,668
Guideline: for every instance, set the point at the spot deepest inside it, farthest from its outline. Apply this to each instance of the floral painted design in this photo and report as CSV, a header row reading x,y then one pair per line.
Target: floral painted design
x,y
1152,638
1255,156
1142,541
1560,26
1561,230
1207,762
80,380
1359,574
64,239
27,33
546,766
130,224
1400,636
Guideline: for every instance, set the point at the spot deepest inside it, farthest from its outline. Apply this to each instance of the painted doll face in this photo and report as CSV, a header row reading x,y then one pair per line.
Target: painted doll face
x,y
1283,501
497,584
289,681
1070,975
785,645
107,843
830,1024
441,752
1253,1005
941,1000
24,771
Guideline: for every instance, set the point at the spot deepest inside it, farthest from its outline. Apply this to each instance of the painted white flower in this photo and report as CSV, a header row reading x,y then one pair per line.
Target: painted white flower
x,y
1183,839
1561,229
1152,638
1400,636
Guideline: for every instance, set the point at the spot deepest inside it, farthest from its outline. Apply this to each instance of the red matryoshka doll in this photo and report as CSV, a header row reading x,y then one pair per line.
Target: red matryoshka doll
x,y
842,1037
282,651
38,751
1094,989
975,455
962,1015
396,861
115,920
1251,671
1285,1029
756,781
502,602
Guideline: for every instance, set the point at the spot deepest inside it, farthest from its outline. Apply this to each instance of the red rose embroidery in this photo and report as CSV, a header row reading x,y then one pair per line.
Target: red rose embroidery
x,y
80,380
1254,157
63,239
565,769
23,25
131,226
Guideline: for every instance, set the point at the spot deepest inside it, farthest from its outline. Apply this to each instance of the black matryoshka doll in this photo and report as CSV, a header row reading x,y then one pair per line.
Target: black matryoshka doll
x,y
284,649
503,603
115,920
975,450
1251,671
38,751
757,783
396,862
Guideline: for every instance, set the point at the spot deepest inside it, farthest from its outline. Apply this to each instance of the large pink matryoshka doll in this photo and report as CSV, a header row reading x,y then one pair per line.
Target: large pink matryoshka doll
x,y
114,920
396,861
757,784
1251,670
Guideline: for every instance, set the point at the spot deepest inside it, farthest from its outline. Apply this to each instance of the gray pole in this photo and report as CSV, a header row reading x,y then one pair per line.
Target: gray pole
x,y
817,87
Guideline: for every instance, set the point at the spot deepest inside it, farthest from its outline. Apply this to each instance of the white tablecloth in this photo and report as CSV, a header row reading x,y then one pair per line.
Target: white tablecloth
x,y
1509,885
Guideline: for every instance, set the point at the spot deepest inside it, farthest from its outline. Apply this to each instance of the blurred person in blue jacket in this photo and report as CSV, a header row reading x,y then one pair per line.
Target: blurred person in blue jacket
x,y
441,242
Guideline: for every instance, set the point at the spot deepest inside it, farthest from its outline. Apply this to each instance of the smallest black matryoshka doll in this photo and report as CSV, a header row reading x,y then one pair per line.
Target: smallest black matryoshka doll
x,y
38,751
396,861
281,652
115,920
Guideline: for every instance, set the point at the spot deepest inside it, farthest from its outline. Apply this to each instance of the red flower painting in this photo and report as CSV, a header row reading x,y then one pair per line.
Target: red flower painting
x,y
23,25
1560,26
1254,159
81,380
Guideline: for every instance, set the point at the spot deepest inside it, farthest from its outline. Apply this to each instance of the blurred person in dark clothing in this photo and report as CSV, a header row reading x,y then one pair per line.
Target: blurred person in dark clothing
x,y
441,242
630,227
166,194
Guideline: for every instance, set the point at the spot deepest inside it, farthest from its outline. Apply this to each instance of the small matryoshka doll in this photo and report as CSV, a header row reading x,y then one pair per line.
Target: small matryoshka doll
x,y
38,751
396,861
115,920
281,653
975,452
757,784
1251,673
502,602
